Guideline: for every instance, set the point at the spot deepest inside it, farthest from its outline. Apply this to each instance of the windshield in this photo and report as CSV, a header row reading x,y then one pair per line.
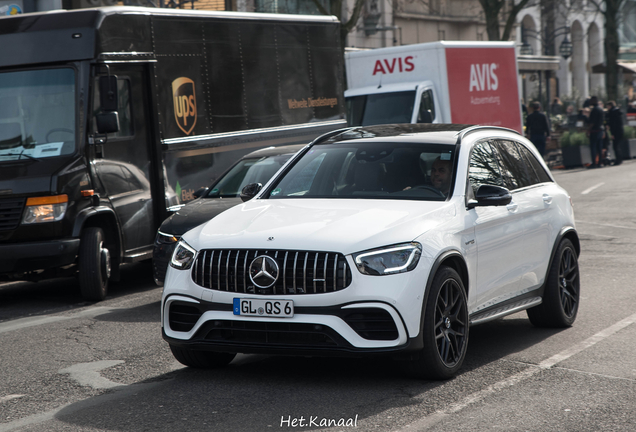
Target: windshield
x,y
370,170
246,171
37,114
381,108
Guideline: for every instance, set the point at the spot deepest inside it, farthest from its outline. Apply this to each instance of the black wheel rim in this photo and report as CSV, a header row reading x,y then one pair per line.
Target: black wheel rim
x,y
451,319
569,282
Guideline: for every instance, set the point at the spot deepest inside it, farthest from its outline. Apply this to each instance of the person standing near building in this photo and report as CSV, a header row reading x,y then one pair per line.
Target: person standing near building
x,y
537,127
614,120
595,121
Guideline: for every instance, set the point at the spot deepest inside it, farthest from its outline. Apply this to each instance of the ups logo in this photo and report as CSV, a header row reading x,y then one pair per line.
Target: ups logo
x,y
185,104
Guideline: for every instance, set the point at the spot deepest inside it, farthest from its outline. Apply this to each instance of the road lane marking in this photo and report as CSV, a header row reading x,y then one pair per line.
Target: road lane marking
x,y
588,190
87,374
71,408
22,323
7,398
428,421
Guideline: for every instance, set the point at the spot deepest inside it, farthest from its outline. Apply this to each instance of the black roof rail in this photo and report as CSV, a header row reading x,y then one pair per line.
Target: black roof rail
x,y
461,134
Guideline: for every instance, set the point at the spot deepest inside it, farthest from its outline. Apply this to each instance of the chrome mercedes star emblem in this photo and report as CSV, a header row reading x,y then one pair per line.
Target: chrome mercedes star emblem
x,y
264,271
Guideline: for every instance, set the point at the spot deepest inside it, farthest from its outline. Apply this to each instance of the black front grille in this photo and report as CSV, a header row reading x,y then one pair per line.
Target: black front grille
x,y
10,213
300,272
183,317
273,334
372,323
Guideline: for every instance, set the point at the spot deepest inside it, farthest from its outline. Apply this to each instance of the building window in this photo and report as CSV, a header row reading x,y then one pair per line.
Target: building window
x,y
303,7
441,35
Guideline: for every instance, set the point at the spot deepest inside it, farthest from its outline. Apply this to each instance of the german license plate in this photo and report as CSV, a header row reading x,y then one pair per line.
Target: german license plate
x,y
265,308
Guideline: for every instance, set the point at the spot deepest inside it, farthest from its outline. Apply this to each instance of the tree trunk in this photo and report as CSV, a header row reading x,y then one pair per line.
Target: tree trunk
x,y
491,12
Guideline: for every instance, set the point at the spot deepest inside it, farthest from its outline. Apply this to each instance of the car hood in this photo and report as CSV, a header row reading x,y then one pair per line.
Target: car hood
x,y
337,225
195,213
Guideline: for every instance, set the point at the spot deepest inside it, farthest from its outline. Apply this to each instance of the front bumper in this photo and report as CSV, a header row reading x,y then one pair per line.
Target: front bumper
x,y
340,330
32,256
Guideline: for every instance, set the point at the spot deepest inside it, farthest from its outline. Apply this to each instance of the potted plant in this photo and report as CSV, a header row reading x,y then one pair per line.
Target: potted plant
x,y
575,149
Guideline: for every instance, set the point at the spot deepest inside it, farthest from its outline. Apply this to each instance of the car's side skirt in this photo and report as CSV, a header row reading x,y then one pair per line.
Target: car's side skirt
x,y
511,306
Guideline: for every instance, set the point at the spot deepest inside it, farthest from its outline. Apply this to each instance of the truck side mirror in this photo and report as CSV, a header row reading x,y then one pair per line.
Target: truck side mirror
x,y
108,93
107,122
490,195
250,191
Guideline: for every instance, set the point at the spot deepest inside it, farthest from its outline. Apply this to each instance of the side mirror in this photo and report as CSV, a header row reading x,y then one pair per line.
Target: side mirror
x,y
200,192
108,93
107,122
489,195
250,191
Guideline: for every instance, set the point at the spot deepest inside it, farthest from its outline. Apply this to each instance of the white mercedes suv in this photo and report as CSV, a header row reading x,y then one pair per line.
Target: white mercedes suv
x,y
390,239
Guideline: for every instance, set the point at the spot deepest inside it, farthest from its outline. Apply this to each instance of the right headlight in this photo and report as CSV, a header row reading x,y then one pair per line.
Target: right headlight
x,y
183,256
389,260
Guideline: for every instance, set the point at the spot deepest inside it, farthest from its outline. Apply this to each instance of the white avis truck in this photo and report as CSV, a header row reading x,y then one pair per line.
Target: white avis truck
x,y
438,82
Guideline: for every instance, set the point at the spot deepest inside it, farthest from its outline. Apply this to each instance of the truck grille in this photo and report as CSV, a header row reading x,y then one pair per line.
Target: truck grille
x,y
10,213
300,272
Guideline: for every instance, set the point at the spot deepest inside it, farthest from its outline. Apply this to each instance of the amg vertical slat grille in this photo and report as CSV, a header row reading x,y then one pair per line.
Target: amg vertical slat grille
x,y
10,213
300,272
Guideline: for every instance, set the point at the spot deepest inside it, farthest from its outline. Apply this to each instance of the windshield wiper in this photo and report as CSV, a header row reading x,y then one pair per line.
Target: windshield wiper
x,y
19,155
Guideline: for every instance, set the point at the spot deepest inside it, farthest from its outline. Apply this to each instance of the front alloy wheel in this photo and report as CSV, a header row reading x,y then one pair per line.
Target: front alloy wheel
x,y
445,329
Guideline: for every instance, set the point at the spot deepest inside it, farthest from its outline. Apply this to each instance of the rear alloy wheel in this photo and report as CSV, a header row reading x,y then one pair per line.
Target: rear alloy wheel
x,y
201,359
562,289
445,329
94,264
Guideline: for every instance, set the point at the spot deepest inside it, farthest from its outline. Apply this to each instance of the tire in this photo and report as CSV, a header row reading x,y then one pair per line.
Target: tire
x,y
445,329
94,265
201,359
562,290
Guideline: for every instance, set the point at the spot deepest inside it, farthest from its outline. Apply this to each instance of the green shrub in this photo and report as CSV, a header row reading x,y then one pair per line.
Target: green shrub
x,y
579,139
630,132
565,139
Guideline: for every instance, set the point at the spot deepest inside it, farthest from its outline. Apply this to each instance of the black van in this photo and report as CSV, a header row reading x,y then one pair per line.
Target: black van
x,y
111,118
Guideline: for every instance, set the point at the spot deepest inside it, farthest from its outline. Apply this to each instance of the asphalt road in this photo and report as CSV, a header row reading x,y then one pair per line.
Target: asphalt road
x,y
68,365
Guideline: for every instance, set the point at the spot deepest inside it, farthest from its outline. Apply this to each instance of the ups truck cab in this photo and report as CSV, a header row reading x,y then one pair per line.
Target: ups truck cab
x,y
112,117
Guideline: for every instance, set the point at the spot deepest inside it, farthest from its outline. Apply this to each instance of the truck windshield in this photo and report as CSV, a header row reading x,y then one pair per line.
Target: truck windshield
x,y
380,108
37,114
363,170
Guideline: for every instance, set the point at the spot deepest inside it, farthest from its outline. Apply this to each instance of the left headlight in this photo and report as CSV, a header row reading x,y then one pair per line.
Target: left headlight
x,y
183,256
389,260
45,209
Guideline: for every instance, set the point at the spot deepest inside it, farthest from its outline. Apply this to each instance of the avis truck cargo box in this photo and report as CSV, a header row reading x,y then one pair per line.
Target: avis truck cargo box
x,y
110,116
439,82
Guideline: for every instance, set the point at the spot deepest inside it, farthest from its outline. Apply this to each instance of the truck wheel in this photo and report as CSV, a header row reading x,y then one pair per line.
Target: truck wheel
x,y
94,264
201,359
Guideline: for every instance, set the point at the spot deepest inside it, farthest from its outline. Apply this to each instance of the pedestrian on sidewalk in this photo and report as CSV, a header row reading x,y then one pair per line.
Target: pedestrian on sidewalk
x,y
614,120
538,127
596,130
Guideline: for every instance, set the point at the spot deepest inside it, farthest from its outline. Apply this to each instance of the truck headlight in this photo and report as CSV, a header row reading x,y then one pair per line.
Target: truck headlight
x,y
183,256
45,209
389,260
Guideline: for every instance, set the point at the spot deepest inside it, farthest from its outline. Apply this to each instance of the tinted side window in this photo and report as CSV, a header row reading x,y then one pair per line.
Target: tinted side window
x,y
484,167
515,171
427,108
542,175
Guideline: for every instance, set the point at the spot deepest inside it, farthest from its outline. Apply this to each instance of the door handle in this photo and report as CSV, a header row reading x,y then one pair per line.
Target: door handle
x,y
547,199
512,207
